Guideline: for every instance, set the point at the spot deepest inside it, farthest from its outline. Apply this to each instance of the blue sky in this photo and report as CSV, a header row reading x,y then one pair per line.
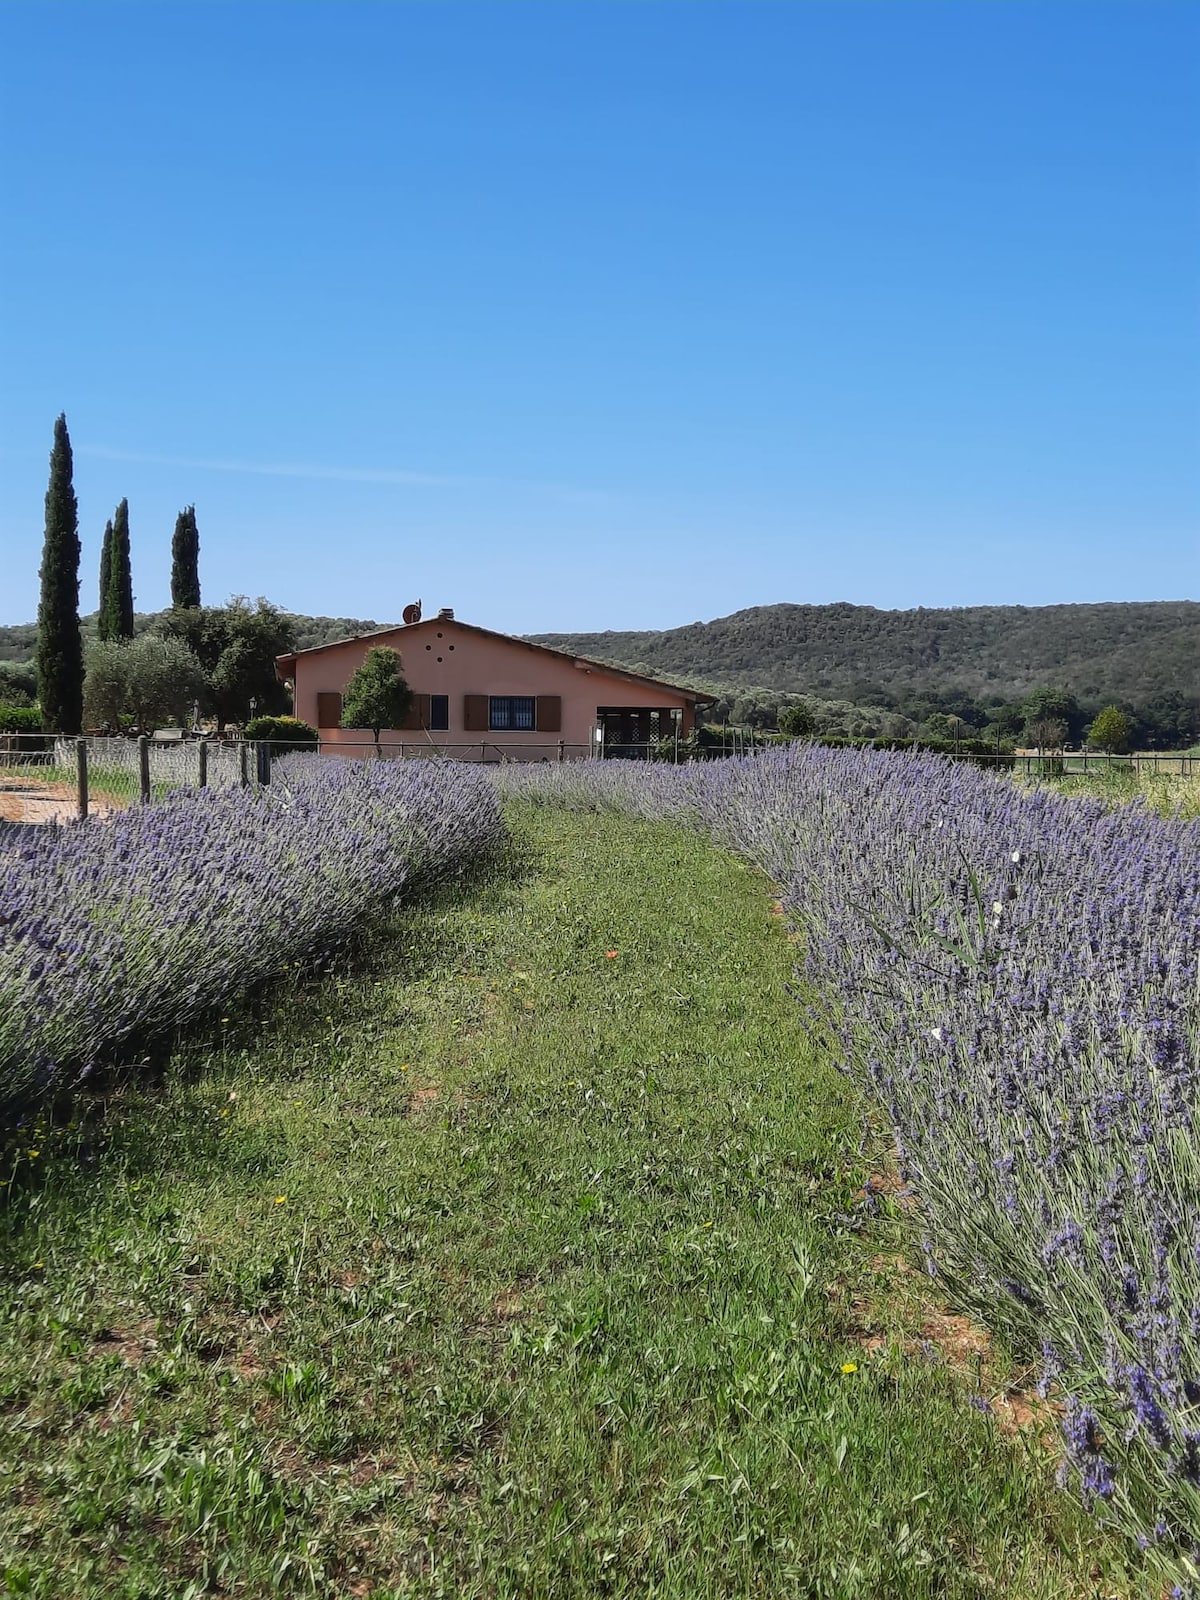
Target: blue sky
x,y
607,315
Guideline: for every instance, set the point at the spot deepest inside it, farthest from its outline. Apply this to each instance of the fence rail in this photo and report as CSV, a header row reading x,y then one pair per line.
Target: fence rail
x,y
1076,763
44,778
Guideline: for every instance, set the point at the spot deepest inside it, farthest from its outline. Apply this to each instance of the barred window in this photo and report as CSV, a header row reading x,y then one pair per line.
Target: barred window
x,y
511,711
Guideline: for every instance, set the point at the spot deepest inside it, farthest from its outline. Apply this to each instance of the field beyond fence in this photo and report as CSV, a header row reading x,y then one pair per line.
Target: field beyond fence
x,y
45,778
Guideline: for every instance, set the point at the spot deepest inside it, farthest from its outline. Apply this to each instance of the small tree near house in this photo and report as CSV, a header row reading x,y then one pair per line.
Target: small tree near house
x,y
377,696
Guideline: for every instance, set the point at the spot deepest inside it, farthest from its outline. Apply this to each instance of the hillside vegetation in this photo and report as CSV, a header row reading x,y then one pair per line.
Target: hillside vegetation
x,y
18,641
1131,650
862,673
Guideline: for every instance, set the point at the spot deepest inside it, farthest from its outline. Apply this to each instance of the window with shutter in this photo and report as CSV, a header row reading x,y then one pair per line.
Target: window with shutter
x,y
418,713
329,711
549,713
509,712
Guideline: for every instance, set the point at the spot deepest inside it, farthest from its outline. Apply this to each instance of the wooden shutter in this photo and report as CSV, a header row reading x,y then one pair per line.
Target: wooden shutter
x,y
418,713
475,713
329,711
549,713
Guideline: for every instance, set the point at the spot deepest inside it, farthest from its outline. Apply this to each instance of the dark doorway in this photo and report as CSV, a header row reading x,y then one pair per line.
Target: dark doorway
x,y
635,732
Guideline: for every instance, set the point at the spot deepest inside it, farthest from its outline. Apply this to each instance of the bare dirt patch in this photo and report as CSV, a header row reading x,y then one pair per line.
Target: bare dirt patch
x,y
508,1304
893,1314
133,1344
36,800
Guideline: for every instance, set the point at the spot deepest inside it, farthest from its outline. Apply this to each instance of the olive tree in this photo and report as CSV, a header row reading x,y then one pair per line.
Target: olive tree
x,y
147,682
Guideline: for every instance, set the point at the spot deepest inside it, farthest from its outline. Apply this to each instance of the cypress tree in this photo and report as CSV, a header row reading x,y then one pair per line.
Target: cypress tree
x,y
121,578
59,645
105,623
185,560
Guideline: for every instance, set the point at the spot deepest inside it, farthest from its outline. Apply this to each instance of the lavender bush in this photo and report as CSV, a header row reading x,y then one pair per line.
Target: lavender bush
x,y
123,929
1016,977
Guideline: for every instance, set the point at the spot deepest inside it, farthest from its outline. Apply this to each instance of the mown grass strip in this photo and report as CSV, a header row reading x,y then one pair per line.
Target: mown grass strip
x,y
525,1259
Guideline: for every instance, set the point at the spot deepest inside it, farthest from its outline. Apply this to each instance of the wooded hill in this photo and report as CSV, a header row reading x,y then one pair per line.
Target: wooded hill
x,y
868,673
1123,650
1129,651
17,643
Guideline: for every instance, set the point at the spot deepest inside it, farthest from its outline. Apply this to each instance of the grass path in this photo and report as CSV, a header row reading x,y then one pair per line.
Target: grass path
x,y
526,1258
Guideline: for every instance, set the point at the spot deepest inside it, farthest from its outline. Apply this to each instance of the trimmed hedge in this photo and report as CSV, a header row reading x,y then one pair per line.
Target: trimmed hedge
x,y
284,734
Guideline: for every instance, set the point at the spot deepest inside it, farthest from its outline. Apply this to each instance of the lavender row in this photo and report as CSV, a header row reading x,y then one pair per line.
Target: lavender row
x,y
1016,976
124,929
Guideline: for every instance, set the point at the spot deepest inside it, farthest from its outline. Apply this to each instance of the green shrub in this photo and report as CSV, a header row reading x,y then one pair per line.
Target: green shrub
x,y
284,734
20,719
797,722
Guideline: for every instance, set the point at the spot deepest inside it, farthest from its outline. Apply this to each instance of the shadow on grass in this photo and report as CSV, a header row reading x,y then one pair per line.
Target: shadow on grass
x,y
88,1119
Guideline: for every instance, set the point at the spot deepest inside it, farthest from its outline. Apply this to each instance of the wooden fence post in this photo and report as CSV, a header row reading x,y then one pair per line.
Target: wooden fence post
x,y
243,764
144,769
203,759
262,756
81,765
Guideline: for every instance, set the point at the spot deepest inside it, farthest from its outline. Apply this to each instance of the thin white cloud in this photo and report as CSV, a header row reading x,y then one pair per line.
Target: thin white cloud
x,y
267,469
315,469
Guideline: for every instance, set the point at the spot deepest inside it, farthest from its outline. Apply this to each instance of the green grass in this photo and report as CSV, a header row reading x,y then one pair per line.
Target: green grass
x,y
1170,794
497,1265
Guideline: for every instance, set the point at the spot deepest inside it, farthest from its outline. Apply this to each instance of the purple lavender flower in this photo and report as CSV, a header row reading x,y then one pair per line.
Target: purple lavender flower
x,y
115,932
1041,1070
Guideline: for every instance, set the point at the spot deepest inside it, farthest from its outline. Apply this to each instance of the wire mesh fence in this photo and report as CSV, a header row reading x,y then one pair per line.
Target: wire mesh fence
x,y
52,779
44,778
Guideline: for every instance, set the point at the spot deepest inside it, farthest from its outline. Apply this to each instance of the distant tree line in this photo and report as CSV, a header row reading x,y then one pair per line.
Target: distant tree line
x,y
1046,718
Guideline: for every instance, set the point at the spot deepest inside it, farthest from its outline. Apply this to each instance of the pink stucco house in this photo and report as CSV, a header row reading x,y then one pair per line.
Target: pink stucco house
x,y
486,696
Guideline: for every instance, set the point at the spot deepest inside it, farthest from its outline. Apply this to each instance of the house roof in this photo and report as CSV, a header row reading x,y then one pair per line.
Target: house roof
x,y
285,665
